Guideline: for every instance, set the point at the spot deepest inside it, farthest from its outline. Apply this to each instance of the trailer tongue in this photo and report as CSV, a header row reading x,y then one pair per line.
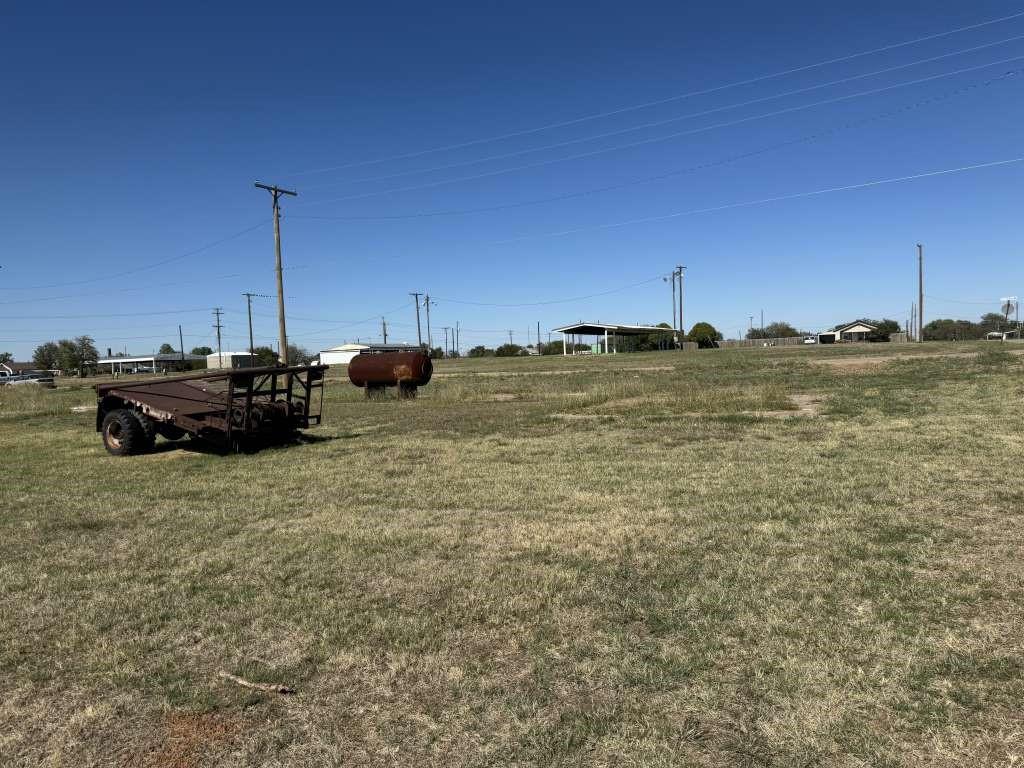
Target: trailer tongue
x,y
232,409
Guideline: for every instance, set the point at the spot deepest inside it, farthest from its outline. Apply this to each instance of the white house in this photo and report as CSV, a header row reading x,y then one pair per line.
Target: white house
x,y
849,332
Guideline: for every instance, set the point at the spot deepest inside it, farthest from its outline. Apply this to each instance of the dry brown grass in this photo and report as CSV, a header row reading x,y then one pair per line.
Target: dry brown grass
x,y
615,566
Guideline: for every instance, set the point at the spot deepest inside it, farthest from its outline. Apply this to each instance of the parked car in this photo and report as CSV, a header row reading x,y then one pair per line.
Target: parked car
x,y
810,340
37,378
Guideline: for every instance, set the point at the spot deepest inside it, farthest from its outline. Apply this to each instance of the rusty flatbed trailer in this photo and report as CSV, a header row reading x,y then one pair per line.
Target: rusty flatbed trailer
x,y
231,409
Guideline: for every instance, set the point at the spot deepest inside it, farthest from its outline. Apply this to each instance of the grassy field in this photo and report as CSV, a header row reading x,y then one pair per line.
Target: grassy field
x,y
805,557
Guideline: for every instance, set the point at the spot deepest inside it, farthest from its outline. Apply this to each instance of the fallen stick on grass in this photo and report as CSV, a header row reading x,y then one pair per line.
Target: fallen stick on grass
x,y
265,687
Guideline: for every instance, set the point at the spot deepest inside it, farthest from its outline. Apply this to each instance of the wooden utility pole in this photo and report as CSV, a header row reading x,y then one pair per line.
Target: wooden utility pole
x,y
384,329
430,337
249,304
458,349
181,343
682,327
217,312
419,333
675,327
920,292
275,193
446,328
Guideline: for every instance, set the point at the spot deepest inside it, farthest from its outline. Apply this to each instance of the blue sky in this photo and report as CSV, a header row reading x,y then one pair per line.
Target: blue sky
x,y
131,139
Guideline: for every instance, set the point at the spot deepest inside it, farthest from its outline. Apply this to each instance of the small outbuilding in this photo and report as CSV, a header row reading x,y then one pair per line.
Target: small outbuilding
x,y
155,363
605,333
225,360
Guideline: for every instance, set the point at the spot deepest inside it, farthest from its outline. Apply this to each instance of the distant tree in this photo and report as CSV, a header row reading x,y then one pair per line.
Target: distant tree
x,y
480,351
992,321
946,329
705,334
201,351
299,355
454,353
776,330
436,353
264,356
68,359
166,349
508,350
45,356
6,357
87,352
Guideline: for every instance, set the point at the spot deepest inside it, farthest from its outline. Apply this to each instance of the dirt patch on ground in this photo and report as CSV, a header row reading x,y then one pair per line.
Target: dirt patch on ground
x,y
503,397
807,406
187,739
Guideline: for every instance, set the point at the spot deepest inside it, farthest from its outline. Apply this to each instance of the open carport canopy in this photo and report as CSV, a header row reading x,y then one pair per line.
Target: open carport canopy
x,y
599,329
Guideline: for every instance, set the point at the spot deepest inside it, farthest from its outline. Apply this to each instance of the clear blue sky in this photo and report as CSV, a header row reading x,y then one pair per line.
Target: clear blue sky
x,y
131,139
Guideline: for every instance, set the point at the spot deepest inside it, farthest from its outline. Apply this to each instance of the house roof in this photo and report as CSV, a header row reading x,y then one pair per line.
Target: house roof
x,y
377,347
852,326
598,329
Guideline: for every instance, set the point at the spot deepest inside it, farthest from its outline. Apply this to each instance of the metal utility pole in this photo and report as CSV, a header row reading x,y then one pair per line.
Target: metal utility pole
x,y
181,343
682,328
217,312
419,334
920,292
384,329
458,348
430,337
275,193
762,321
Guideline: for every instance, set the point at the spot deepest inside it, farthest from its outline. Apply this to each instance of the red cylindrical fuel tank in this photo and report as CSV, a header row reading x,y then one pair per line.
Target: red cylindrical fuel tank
x,y
389,369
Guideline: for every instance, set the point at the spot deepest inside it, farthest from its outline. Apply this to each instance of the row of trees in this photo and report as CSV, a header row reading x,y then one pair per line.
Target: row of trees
x,y
783,330
947,329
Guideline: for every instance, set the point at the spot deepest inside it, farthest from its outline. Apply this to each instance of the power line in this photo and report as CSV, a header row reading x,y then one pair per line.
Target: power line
x,y
554,301
136,270
117,314
665,137
687,170
666,100
666,121
762,201
147,287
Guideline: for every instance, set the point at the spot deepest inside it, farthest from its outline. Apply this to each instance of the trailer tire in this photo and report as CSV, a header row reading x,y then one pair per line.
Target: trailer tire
x,y
122,433
148,430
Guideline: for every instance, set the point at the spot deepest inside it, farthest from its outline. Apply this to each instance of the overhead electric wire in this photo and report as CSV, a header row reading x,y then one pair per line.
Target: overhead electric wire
x,y
106,292
666,100
116,314
375,316
990,302
665,137
111,275
679,171
666,121
554,301
762,201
